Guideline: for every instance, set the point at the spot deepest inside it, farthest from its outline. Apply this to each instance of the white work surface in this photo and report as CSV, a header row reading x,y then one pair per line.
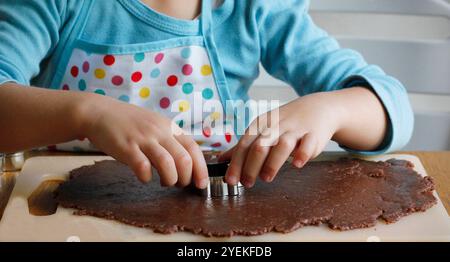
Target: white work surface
x,y
18,225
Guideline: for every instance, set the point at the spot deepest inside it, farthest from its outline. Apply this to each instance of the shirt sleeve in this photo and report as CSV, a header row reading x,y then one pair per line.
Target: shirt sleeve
x,y
296,51
29,31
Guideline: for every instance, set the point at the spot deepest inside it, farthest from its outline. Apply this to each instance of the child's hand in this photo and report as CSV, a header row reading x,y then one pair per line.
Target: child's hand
x,y
305,126
141,138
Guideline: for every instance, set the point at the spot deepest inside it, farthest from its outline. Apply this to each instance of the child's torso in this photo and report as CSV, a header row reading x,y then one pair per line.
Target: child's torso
x,y
164,64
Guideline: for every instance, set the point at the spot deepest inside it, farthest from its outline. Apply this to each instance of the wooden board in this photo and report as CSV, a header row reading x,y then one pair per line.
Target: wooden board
x,y
18,225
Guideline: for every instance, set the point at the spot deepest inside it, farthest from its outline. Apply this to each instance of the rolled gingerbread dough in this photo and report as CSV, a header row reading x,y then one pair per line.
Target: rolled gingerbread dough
x,y
344,194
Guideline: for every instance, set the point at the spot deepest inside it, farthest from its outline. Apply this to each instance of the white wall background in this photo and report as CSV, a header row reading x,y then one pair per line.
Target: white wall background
x,y
432,109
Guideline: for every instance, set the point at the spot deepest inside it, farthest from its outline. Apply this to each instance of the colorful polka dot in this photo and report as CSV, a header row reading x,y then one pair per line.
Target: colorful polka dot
x,y
136,76
199,142
216,145
215,116
65,87
109,60
188,88
207,93
82,85
187,69
186,53
99,73
117,80
86,67
180,123
172,80
228,137
155,73
159,57
74,71
139,57
164,102
184,106
124,98
144,92
206,70
206,132
100,92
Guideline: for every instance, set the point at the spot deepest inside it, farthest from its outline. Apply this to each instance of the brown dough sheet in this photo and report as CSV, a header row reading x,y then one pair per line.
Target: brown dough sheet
x,y
344,194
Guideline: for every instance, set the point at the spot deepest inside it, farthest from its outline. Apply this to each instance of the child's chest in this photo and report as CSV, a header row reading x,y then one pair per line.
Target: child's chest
x,y
179,77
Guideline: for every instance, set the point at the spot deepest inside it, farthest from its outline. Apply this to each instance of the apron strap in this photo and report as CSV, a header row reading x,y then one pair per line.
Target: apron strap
x,y
206,17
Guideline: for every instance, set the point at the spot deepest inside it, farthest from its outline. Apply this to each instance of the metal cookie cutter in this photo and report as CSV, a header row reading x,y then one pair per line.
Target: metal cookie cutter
x,y
11,162
217,186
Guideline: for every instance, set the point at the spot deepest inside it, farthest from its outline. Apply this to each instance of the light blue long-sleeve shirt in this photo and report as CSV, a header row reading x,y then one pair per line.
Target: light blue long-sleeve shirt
x,y
279,34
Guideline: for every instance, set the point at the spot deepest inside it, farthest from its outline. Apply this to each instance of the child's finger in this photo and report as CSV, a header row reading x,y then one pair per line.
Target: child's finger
x,y
259,151
239,155
278,156
137,161
163,162
224,156
199,169
305,150
182,158
142,168
253,164
234,170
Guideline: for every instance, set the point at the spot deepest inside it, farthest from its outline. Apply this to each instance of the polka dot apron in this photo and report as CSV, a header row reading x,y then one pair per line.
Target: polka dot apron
x,y
179,78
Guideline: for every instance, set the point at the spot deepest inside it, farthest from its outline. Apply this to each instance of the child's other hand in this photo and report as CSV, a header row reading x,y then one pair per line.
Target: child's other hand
x,y
305,126
141,138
